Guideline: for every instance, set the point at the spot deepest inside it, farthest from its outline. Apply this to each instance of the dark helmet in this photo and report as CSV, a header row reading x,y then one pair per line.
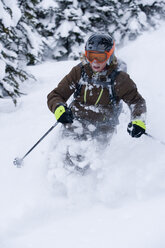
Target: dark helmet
x,y
101,43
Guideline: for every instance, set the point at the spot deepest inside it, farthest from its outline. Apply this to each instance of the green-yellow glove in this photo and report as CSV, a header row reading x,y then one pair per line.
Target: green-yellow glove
x,y
136,128
63,114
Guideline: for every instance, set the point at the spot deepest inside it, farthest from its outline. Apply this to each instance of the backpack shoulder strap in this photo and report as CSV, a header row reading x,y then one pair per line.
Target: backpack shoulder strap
x,y
111,87
79,85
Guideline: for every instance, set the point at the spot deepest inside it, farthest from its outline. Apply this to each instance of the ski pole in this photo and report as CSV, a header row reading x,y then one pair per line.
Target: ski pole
x,y
152,137
18,161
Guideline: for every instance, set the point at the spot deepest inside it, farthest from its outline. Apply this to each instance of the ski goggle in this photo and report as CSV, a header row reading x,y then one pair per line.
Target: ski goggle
x,y
99,56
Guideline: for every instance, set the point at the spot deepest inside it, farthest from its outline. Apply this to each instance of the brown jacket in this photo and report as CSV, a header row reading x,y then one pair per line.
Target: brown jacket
x,y
84,106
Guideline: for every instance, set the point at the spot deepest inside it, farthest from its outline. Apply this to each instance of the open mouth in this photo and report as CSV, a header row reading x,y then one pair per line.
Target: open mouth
x,y
96,67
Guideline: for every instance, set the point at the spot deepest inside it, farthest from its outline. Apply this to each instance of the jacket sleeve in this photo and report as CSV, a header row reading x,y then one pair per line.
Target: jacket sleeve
x,y
64,90
127,91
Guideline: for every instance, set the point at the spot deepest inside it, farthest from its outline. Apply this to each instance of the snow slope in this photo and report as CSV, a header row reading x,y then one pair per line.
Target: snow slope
x,y
121,203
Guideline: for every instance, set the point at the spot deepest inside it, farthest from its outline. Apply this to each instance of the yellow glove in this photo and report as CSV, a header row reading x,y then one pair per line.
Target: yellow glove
x,y
136,128
63,114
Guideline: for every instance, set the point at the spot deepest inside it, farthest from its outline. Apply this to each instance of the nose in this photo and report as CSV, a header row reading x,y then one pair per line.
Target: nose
x,y
95,61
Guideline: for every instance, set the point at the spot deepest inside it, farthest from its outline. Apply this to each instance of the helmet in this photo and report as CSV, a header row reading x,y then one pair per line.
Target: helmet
x,y
101,43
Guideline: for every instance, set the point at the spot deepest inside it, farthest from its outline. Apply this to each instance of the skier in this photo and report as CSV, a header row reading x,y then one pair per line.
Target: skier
x,y
99,86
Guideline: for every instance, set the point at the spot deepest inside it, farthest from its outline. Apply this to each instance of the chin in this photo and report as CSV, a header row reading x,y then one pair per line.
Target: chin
x,y
99,70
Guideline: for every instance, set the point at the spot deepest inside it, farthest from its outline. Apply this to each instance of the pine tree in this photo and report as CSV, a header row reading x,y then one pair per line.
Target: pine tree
x,y
68,27
11,75
31,44
34,30
20,45
75,20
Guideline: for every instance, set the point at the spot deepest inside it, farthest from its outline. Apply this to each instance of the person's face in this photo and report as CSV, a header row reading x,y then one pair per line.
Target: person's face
x,y
96,66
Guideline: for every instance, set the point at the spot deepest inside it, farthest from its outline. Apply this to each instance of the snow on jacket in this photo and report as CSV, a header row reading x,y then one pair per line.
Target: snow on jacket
x,y
93,102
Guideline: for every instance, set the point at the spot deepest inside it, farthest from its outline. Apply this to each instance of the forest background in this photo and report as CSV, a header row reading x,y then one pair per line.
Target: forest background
x,y
33,31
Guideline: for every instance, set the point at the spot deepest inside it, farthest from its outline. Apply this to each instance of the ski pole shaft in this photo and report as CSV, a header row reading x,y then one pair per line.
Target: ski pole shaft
x,y
154,138
50,129
18,161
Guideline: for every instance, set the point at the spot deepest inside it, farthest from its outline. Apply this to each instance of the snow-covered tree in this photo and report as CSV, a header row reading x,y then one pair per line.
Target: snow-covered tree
x,y
10,74
34,30
63,24
31,44
20,44
74,20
